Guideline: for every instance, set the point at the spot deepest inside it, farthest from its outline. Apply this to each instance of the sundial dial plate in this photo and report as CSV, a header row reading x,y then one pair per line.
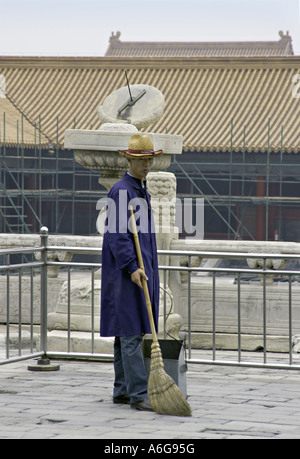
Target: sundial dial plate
x,y
141,105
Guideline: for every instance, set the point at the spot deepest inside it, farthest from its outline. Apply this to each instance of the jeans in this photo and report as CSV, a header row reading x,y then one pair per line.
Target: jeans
x,y
130,373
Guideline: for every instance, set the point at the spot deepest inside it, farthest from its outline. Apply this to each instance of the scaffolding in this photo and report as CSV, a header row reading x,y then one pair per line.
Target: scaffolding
x,y
251,196
44,186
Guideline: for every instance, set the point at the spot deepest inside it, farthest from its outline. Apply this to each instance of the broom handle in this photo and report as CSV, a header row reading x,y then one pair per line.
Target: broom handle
x,y
142,267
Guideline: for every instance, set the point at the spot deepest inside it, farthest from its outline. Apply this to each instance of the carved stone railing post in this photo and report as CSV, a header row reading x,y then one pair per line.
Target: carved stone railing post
x,y
269,263
61,256
162,188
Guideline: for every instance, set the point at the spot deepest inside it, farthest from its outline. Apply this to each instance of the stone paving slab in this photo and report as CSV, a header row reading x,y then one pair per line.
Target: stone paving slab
x,y
75,403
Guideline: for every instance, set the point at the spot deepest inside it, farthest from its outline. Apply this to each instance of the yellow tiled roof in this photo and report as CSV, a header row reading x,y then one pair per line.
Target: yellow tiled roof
x,y
17,129
202,96
118,48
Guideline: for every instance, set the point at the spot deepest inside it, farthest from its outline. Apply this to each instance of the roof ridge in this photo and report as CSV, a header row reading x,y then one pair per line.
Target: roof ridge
x,y
283,45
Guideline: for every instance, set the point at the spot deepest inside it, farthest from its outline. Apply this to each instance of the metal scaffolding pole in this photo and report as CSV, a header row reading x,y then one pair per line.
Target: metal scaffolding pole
x,y
257,186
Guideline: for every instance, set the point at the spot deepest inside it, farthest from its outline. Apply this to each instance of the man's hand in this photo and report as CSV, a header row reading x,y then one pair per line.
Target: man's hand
x,y
137,277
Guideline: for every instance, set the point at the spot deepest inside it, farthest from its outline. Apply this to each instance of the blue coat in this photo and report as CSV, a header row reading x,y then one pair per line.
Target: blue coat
x,y
123,306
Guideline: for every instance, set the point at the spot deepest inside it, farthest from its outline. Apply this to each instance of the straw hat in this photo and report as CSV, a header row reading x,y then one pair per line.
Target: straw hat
x,y
140,146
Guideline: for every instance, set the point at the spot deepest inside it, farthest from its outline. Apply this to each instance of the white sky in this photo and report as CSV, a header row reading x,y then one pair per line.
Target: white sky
x,y
83,27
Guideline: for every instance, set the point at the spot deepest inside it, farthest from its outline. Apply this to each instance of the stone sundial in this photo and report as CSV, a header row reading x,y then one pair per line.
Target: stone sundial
x,y
122,114
139,105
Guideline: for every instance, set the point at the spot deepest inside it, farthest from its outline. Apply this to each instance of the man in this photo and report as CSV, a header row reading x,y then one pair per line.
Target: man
x,y
123,308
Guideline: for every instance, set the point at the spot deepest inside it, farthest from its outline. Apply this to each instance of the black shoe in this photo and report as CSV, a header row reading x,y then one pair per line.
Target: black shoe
x,y
124,399
143,405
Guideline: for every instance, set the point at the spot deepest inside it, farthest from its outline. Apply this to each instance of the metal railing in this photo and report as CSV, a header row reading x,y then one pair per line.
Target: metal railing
x,y
39,270
13,267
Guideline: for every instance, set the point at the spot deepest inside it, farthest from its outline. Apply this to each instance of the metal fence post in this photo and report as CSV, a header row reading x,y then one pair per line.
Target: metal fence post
x,y
43,363
44,290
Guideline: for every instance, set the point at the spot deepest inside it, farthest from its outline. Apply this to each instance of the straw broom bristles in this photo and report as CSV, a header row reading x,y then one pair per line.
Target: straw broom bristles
x,y
164,395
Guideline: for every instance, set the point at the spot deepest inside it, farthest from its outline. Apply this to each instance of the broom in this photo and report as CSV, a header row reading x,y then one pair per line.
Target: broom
x,y
164,395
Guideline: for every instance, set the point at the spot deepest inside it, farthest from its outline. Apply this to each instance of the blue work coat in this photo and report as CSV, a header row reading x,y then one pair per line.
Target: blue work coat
x,y
123,305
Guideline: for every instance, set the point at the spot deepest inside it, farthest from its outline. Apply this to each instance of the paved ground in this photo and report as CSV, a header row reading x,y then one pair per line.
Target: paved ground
x,y
227,402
